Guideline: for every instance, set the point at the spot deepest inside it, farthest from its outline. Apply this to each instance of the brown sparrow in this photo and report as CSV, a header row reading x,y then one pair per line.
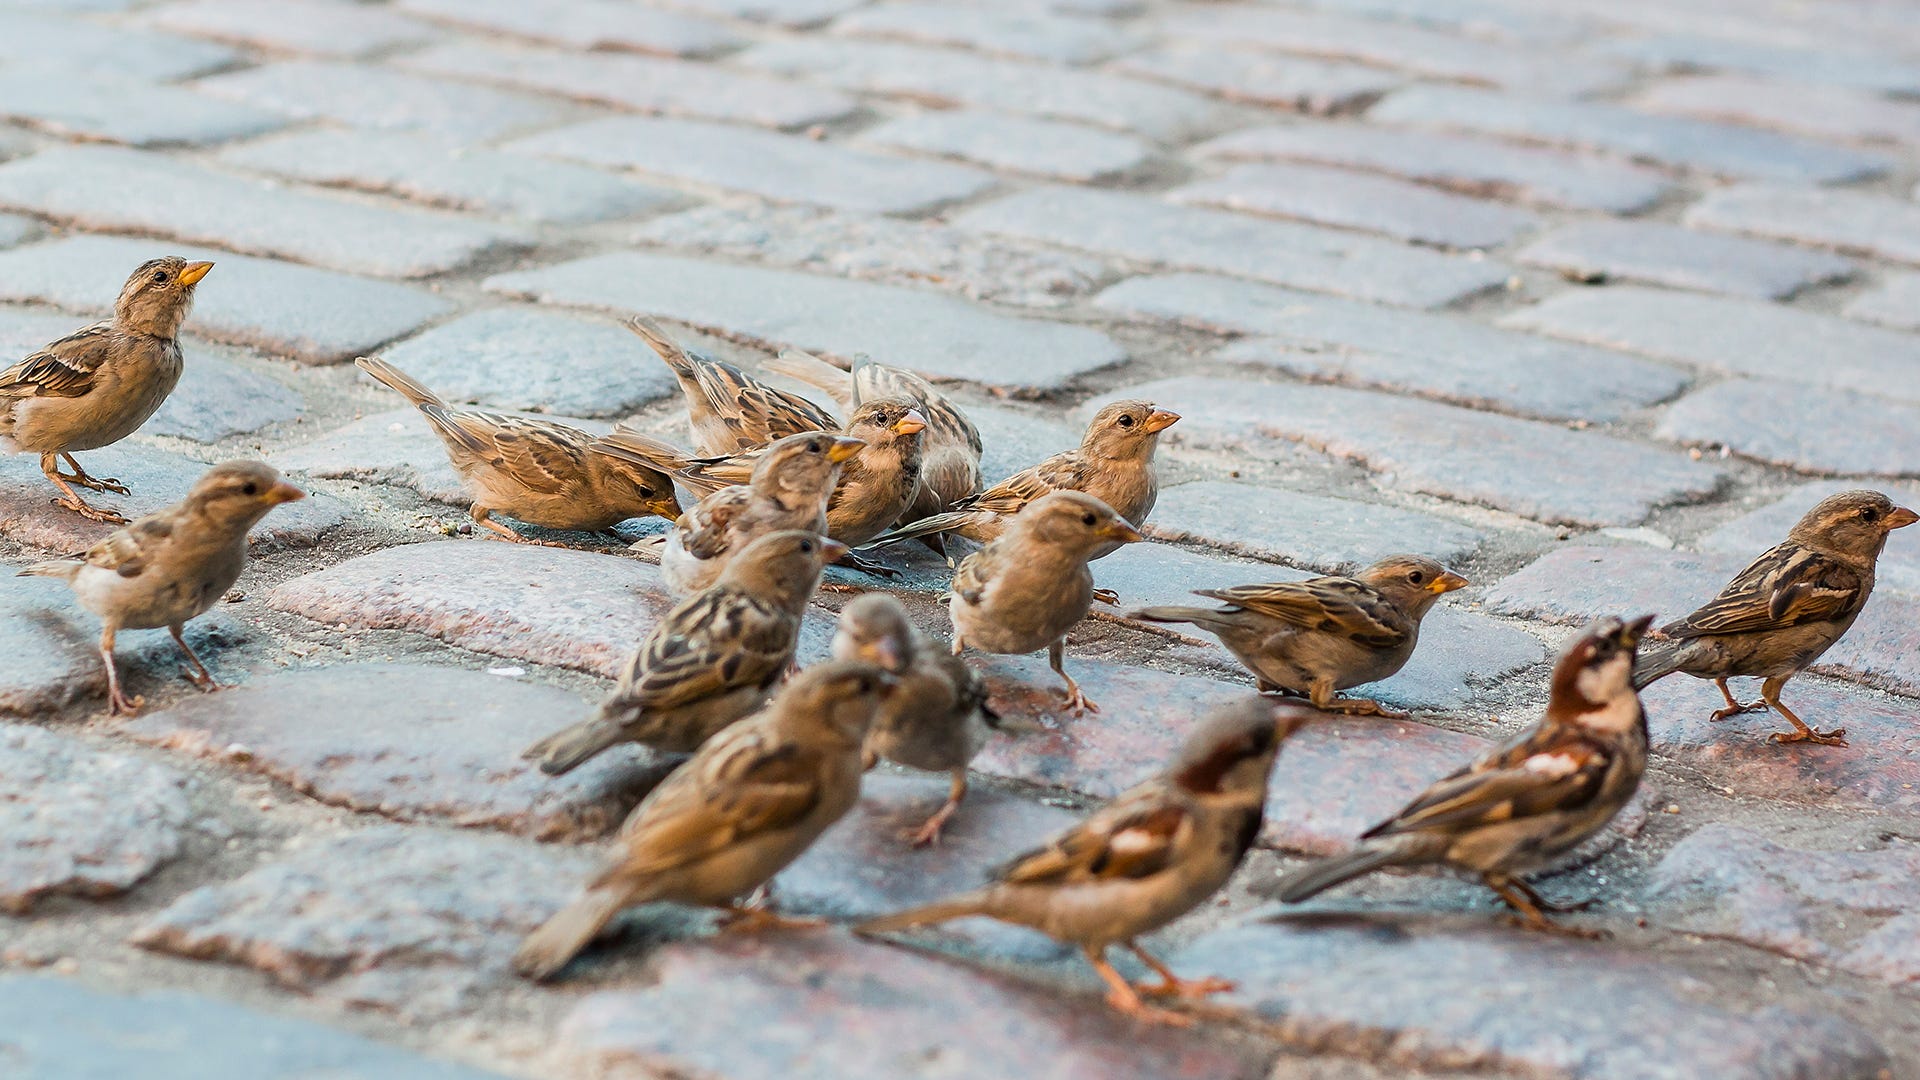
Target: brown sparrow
x,y
728,409
937,719
1150,856
171,565
722,825
98,384
1324,634
710,661
1028,587
1524,804
1777,617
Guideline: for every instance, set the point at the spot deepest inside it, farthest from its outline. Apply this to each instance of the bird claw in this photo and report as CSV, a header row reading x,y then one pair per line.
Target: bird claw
x,y
107,484
206,682
1738,710
1363,707
1107,596
1147,1014
1836,737
119,704
1548,926
1079,704
92,512
1189,988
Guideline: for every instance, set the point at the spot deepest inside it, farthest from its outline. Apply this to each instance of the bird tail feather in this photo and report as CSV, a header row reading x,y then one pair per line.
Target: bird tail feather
x,y
1657,663
398,381
927,526
815,372
571,746
1327,873
662,343
958,907
629,445
1198,616
57,568
571,929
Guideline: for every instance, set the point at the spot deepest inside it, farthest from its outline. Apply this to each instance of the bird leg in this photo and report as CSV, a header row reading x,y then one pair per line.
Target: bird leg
x,y
1172,985
1077,701
1547,905
752,917
1770,693
198,674
929,830
1528,913
1734,708
1107,596
118,703
1125,999
483,517
49,464
109,485
1321,694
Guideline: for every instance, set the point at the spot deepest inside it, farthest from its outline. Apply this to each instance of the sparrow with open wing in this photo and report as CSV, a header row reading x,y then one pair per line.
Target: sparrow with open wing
x,y
728,409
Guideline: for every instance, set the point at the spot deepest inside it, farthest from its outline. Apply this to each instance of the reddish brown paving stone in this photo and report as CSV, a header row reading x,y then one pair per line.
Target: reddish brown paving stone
x,y
1341,775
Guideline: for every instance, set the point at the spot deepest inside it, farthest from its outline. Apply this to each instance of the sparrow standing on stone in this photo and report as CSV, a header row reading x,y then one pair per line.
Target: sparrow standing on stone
x,y
97,385
937,719
171,565
1523,805
710,661
728,409
1150,856
722,825
1324,634
538,471
1789,606
1026,589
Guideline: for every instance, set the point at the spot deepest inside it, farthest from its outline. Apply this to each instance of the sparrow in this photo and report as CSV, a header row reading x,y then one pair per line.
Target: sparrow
x,y
712,660
937,719
788,489
98,384
722,825
1150,856
1028,587
171,565
538,471
728,409
950,451
1524,804
1776,617
1314,637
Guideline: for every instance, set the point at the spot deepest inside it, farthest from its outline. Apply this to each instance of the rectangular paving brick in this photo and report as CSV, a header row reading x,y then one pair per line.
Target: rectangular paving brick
x,y
1894,302
30,38
929,332
1839,66
1033,35
1838,432
111,188
951,77
1496,19
1664,254
1046,148
1541,471
1754,532
430,171
537,360
1435,355
650,84
1740,337
1304,256
317,27
587,24
1833,112
1316,532
1852,221
789,13
1470,164
106,107
313,316
1723,149
1321,87
361,95
786,168
1353,200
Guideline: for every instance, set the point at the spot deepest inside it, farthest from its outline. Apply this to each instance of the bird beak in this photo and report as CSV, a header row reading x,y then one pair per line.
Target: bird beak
x,y
281,492
1446,583
1118,529
833,550
1160,420
1901,518
666,506
883,653
1630,634
843,448
194,272
910,423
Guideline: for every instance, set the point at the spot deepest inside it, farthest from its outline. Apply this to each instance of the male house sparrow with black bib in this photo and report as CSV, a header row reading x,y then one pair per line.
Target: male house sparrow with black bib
x,y
1523,805
1325,634
98,384
1779,615
727,409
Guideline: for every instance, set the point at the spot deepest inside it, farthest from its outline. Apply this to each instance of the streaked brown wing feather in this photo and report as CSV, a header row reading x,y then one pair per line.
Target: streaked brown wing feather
x,y
1552,767
64,368
710,644
745,782
1061,472
1330,604
756,413
706,528
1786,586
1131,838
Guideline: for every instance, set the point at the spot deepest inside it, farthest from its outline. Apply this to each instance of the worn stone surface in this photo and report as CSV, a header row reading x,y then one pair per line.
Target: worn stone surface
x,y
375,97
1331,535
429,171
1034,35
112,188
1340,198
1894,302
1823,111
1046,148
1825,431
410,921
1866,69
303,26
1664,254
56,1029
1854,221
928,332
17,229
80,822
115,108
1304,256
1734,336
1533,469
1465,163
1433,355
881,249
1756,531
1343,984
1340,775
394,447
587,24
30,38
1320,87
537,361
313,316
410,743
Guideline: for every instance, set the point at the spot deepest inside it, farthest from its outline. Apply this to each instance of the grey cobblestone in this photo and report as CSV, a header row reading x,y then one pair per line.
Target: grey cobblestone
x,y
1760,529
317,27
1310,86
1683,258
1861,69
1046,148
1034,35
1853,221
1839,432
1823,111
537,361
395,447
1313,531
17,229
587,24
218,398
1350,200
371,97
112,108
29,38
1894,302
789,13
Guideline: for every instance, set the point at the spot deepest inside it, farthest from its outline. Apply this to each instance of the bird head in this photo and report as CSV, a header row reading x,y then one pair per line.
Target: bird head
x,y
874,628
1852,524
1593,679
836,699
806,463
234,495
1126,430
1232,751
782,567
1075,521
157,296
1412,582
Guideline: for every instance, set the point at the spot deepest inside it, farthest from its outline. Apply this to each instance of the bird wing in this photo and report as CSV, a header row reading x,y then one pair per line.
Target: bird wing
x,y
710,474
543,456
129,549
64,368
1336,605
756,413
1063,471
1135,836
706,529
976,572
717,641
1549,768
1787,586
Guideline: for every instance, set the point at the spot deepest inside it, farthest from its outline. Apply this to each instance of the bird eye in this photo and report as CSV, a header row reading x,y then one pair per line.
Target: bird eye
x,y
1416,577
1087,518
1869,514
1125,420
160,277
813,448
249,488
806,545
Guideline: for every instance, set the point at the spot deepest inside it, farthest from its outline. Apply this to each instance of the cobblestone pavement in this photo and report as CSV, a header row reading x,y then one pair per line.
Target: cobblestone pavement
x,y
1590,298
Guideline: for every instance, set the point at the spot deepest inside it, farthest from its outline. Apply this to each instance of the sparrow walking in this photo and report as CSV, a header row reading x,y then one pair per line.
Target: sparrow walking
x,y
728,409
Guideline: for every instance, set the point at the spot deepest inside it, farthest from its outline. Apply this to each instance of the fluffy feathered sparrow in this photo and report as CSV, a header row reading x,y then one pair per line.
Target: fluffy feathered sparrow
x,y
937,719
723,824
1150,856
1777,617
1026,589
1523,805
712,660
98,384
788,489
1325,634
538,471
171,565
728,409
951,449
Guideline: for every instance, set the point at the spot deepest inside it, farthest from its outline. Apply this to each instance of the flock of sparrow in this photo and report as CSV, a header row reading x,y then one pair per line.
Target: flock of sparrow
x,y
785,489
